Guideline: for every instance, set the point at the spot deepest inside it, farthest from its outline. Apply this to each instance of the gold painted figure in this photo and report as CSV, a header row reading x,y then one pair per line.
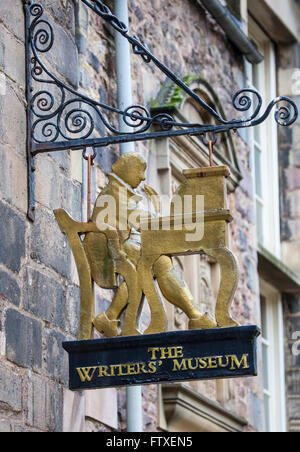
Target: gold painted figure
x,y
120,244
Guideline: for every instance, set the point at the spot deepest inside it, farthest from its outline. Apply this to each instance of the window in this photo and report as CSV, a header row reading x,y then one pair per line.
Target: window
x,y
264,145
272,359
266,362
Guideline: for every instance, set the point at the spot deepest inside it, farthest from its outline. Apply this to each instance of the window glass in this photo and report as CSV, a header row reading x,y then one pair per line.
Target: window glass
x,y
264,143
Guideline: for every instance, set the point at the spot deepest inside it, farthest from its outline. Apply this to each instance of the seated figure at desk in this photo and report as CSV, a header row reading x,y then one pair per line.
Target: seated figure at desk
x,y
127,175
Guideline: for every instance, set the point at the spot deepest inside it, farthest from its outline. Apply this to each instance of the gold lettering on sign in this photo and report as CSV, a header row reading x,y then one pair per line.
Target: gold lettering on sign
x,y
220,361
103,371
166,352
211,362
159,356
202,363
179,365
235,361
86,373
193,363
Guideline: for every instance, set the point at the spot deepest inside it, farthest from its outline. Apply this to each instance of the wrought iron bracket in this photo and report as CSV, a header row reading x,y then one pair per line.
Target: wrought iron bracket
x,y
59,118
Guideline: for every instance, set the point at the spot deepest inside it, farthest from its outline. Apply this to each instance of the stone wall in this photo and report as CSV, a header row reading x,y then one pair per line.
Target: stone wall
x,y
38,294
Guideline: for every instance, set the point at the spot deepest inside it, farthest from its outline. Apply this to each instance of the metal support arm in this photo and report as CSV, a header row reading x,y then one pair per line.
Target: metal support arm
x,y
60,118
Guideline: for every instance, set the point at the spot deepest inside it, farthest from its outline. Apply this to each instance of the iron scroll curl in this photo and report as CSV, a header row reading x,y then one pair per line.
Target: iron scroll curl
x,y
72,117
284,115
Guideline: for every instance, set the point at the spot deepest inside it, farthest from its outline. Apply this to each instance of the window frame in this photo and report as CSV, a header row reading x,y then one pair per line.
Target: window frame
x,y
274,343
269,201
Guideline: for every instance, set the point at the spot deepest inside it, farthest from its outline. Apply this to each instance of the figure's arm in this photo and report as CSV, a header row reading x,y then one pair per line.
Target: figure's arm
x,y
153,197
136,215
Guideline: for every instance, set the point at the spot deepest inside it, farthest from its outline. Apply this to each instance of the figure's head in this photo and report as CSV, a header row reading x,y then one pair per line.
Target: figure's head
x,y
131,169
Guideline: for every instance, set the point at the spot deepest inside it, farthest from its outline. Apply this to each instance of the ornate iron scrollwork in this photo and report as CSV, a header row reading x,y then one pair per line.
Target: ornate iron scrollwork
x,y
69,115
61,118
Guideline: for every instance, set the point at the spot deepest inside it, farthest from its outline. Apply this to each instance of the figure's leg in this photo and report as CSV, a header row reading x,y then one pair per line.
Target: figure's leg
x,y
229,281
134,295
108,322
158,322
177,293
119,302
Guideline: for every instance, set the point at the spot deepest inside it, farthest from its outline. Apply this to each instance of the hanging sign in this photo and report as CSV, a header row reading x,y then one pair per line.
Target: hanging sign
x,y
167,357
122,238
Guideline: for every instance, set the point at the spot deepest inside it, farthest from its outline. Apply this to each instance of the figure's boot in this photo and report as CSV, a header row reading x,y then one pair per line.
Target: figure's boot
x,y
205,322
176,292
110,328
107,323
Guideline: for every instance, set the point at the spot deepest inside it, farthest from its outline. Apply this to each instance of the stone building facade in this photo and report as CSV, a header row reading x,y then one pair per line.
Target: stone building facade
x,y
39,288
